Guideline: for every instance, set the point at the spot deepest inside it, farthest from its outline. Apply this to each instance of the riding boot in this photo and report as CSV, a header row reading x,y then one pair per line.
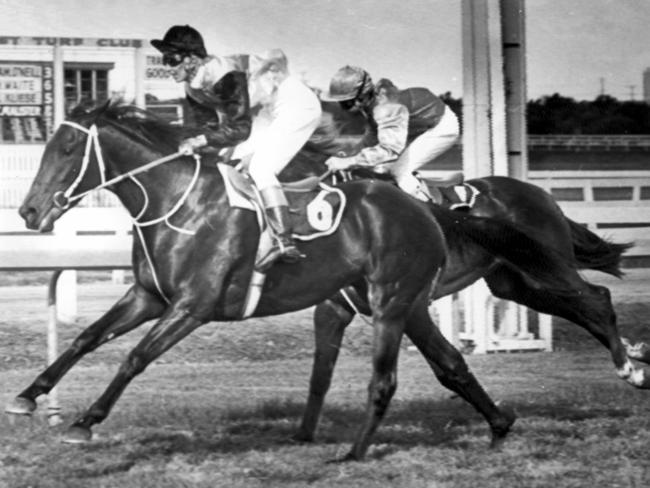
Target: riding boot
x,y
452,200
279,220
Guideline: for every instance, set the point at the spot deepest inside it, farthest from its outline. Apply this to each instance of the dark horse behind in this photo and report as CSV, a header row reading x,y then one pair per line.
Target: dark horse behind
x,y
529,209
388,247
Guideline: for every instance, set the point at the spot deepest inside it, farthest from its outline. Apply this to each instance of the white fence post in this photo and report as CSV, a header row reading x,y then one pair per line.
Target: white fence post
x,y
66,288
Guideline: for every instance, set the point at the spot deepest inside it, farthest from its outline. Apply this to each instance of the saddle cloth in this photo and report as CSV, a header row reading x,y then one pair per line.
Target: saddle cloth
x,y
315,208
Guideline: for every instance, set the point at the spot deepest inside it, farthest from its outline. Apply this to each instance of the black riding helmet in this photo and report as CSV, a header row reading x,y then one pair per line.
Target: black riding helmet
x,y
180,41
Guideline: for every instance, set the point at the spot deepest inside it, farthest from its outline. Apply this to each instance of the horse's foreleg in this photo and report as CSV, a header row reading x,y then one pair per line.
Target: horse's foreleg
x,y
589,306
174,325
136,307
330,320
386,343
452,371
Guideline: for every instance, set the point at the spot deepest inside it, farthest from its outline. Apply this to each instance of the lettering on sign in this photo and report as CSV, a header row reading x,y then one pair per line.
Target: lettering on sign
x,y
18,111
26,101
69,41
155,69
21,84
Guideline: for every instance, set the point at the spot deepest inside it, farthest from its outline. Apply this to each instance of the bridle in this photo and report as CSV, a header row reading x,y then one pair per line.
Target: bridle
x,y
63,199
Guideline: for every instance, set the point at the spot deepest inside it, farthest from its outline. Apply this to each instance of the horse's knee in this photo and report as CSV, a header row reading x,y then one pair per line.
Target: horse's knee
x,y
134,364
84,343
329,313
381,390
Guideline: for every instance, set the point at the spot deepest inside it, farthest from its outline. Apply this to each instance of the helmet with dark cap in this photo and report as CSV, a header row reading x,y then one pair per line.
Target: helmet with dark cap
x,y
181,39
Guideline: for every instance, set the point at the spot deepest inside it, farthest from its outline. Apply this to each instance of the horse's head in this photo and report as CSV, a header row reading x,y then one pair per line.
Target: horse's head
x,y
73,162
68,165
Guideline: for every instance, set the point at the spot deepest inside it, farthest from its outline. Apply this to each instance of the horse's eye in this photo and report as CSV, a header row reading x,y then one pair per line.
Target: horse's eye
x,y
69,143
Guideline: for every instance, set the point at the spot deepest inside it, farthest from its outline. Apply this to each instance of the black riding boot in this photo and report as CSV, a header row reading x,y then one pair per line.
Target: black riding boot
x,y
284,247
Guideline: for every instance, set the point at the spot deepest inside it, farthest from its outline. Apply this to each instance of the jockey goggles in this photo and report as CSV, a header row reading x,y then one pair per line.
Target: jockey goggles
x,y
172,59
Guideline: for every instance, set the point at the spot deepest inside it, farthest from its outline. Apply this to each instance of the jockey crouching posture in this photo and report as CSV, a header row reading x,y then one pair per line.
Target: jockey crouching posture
x,y
217,93
290,112
413,126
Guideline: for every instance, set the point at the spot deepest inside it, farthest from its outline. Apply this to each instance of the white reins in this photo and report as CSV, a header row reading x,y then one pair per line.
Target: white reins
x,y
92,142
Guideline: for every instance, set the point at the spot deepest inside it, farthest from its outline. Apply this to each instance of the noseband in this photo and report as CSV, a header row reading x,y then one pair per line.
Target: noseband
x,y
63,199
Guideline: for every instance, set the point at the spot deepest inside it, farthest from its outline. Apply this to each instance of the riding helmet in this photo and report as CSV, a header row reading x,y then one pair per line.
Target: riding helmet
x,y
349,83
182,39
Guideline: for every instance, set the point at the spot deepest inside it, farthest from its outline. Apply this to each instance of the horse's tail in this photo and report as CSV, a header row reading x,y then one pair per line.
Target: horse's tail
x,y
501,238
594,252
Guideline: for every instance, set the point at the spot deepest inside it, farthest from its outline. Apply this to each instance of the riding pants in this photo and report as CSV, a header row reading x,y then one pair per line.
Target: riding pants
x,y
424,149
295,114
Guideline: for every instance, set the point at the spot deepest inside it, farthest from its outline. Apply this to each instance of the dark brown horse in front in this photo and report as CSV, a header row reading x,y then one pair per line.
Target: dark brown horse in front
x,y
388,247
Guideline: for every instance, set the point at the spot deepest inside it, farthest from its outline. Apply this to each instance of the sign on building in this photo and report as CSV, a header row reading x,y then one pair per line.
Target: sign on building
x,y
26,101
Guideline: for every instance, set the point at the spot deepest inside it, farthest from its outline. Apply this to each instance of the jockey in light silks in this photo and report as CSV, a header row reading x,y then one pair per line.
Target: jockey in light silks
x,y
290,112
413,126
217,93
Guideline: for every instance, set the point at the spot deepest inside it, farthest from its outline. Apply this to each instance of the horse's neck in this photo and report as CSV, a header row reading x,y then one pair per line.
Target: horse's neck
x,y
152,193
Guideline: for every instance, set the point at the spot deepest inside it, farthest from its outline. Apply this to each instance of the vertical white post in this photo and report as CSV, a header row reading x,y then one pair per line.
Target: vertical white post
x,y
478,137
514,70
53,408
546,330
477,100
67,283
444,312
139,66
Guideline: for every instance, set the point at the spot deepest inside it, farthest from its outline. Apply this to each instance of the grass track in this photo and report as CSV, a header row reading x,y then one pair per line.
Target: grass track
x,y
219,409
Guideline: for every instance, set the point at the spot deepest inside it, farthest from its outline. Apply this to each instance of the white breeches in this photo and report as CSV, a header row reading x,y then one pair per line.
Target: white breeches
x,y
424,149
274,143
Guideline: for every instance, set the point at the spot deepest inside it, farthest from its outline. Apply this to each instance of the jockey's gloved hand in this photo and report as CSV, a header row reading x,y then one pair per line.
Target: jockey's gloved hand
x,y
188,146
336,163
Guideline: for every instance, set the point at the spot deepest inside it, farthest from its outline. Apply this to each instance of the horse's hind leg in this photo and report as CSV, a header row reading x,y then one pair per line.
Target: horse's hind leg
x,y
136,307
330,320
588,305
451,370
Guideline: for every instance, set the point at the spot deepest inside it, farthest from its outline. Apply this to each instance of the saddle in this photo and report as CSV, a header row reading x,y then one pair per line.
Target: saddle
x,y
315,207
447,189
316,210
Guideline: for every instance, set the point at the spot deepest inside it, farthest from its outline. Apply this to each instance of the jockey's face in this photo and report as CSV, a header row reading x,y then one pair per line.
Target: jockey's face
x,y
351,105
178,65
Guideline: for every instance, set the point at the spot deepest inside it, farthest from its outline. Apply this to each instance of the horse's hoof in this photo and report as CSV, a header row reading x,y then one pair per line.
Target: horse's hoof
x,y
501,428
302,437
349,457
21,406
77,435
639,351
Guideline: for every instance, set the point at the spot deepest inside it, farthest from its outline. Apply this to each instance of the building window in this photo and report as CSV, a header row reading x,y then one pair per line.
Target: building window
x,y
85,83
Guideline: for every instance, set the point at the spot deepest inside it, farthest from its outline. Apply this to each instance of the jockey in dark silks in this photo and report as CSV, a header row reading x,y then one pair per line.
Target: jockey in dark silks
x,y
217,93
413,126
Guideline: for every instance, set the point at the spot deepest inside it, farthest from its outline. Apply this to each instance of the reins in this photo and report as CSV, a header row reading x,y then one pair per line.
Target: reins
x,y
92,143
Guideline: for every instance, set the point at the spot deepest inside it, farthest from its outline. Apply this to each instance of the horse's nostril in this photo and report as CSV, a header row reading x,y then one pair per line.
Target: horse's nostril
x,y
27,213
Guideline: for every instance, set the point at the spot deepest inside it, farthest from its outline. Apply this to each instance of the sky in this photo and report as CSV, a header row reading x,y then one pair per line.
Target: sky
x,y
578,48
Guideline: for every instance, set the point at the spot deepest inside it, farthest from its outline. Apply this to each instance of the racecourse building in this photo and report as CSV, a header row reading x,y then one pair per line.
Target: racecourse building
x,y
43,78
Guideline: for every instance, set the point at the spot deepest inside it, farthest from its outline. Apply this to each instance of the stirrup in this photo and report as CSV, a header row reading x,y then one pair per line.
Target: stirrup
x,y
280,251
289,253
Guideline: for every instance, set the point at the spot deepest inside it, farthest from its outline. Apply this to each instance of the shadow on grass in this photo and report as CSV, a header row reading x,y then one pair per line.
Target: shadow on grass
x,y
271,424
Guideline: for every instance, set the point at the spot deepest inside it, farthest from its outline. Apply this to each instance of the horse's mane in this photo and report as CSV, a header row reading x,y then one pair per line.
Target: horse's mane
x,y
140,124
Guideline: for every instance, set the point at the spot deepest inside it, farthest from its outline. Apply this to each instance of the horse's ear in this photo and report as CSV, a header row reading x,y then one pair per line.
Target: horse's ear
x,y
82,108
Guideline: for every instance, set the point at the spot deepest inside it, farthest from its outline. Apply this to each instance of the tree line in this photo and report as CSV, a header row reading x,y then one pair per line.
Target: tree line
x,y
556,114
